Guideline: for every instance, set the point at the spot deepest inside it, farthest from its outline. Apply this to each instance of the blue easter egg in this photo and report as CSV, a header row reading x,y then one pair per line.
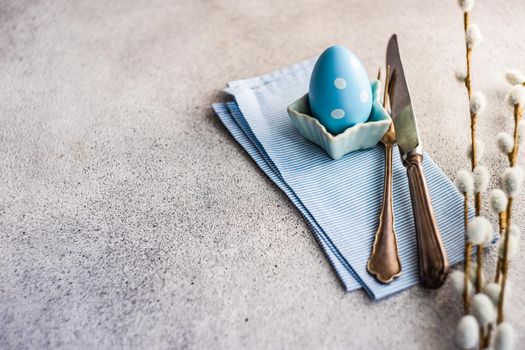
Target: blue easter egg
x,y
340,94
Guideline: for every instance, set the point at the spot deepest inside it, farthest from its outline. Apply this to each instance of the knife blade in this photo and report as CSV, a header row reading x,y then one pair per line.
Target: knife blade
x,y
433,261
400,104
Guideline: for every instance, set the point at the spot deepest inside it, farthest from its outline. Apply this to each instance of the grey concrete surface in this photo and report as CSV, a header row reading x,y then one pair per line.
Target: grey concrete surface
x,y
129,218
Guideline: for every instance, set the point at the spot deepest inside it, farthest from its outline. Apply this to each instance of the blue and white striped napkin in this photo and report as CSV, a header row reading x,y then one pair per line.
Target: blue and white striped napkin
x,y
339,199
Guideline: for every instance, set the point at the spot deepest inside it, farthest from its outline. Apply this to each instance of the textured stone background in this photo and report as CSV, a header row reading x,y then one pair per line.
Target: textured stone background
x,y
129,218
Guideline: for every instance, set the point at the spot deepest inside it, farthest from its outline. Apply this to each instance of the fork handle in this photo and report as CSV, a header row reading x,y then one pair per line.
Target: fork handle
x,y
384,261
433,261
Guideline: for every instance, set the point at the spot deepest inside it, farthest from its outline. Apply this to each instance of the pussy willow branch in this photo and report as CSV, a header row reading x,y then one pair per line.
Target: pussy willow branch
x,y
469,54
468,252
505,261
477,196
473,160
502,225
515,150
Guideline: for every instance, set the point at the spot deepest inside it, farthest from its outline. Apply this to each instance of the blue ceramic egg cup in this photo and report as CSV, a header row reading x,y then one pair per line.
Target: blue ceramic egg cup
x,y
357,137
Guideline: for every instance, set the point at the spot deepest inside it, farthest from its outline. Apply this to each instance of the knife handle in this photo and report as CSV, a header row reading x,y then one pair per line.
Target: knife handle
x,y
433,261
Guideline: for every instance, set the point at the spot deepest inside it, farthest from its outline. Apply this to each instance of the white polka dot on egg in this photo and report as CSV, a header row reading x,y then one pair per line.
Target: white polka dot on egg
x,y
337,113
364,96
340,83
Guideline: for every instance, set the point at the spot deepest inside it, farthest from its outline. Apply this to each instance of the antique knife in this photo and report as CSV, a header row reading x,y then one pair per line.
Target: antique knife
x,y
433,262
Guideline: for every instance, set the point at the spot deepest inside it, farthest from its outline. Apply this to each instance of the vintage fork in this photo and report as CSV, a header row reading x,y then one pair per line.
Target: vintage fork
x,y
384,261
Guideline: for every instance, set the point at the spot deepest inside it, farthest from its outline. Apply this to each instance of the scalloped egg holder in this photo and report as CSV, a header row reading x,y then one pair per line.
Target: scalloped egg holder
x,y
357,137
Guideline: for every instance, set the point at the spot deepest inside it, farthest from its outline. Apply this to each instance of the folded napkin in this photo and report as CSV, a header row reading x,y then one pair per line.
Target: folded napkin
x,y
340,200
